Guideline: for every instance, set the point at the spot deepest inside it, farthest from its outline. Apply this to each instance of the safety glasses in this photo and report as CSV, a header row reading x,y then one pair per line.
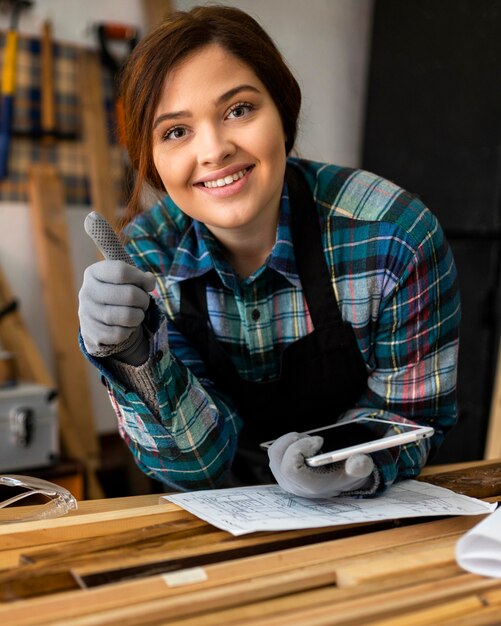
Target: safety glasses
x,y
60,500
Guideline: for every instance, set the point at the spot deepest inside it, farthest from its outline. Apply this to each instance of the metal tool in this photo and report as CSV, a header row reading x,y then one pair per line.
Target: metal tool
x,y
105,238
9,82
109,33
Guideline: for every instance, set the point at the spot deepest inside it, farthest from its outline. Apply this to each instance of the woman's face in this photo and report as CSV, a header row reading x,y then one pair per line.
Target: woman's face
x,y
219,144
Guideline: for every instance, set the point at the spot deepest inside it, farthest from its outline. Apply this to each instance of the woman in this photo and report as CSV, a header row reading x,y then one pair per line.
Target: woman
x,y
287,294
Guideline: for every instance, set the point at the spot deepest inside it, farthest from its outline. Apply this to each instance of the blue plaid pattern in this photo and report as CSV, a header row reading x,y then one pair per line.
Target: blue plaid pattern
x,y
67,153
394,278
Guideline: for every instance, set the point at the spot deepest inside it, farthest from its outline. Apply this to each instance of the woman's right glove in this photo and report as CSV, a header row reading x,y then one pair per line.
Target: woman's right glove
x,y
113,299
112,305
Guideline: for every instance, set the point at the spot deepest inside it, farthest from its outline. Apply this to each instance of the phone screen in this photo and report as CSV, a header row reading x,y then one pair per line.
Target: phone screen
x,y
344,436
338,437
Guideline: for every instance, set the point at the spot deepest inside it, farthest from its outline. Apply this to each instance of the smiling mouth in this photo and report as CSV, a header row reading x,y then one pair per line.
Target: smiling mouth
x,y
227,180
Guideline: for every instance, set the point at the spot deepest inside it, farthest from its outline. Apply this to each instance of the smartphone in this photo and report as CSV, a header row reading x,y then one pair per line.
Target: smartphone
x,y
345,439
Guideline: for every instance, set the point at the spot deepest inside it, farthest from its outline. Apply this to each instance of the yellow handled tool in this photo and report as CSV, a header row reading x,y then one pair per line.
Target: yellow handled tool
x,y
9,83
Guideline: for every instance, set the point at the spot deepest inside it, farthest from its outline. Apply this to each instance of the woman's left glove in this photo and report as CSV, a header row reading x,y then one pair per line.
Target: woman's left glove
x,y
287,463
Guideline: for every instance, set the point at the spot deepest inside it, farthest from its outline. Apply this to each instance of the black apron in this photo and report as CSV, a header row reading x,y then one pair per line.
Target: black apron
x,y
321,375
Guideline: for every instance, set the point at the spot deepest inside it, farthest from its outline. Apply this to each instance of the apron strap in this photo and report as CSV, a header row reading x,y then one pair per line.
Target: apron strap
x,y
308,249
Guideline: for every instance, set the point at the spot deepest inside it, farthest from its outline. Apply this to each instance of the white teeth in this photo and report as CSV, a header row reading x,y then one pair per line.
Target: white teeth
x,y
227,180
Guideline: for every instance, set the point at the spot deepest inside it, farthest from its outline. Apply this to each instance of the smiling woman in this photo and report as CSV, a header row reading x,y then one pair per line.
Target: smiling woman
x,y
219,149
271,294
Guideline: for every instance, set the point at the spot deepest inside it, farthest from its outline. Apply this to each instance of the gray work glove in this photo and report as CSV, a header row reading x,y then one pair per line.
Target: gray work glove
x,y
113,299
287,463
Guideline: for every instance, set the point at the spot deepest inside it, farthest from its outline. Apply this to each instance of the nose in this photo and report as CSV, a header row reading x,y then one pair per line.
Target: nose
x,y
213,145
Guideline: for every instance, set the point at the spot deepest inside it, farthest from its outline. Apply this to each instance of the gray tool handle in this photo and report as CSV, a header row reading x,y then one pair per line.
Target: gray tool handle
x,y
105,238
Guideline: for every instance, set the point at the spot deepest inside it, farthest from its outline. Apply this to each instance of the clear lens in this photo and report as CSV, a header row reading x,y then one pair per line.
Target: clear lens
x,y
60,499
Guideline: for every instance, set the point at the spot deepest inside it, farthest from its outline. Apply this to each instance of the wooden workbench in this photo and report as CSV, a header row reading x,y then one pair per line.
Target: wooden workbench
x,y
128,561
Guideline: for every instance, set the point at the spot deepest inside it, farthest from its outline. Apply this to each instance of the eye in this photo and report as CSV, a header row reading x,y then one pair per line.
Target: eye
x,y
177,132
241,109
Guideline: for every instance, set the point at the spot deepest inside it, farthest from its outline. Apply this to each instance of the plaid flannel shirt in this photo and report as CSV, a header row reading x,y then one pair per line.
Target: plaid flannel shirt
x,y
395,281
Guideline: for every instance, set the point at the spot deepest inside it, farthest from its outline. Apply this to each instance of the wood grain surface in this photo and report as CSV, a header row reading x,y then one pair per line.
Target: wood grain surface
x,y
133,561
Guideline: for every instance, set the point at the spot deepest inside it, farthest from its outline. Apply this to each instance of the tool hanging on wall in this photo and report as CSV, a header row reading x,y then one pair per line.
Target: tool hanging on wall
x,y
110,35
48,104
9,82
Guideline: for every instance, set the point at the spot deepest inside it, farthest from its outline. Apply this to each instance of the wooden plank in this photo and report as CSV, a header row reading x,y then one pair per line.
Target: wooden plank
x,y
326,542
30,367
235,548
416,560
393,572
155,11
176,556
451,610
97,506
167,557
48,109
301,596
360,605
95,135
122,540
55,576
75,604
340,553
396,561
124,594
493,439
486,616
72,527
430,470
54,261
164,554
15,337
98,572
234,594
479,482
142,555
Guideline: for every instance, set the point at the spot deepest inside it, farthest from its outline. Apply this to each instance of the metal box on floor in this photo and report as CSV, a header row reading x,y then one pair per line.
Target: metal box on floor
x,y
28,427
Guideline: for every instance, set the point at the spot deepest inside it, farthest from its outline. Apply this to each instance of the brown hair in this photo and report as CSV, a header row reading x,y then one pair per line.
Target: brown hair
x,y
179,35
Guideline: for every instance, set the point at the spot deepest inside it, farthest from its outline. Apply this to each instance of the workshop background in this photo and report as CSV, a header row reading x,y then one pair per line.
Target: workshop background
x,y
409,90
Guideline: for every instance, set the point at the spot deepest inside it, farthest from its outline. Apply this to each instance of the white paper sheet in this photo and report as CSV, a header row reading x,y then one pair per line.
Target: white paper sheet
x,y
249,509
479,550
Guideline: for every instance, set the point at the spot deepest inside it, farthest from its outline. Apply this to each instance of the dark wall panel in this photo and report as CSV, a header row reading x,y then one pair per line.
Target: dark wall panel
x,y
433,125
433,120
478,302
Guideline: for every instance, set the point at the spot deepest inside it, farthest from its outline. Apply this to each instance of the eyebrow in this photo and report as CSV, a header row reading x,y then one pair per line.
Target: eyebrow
x,y
227,95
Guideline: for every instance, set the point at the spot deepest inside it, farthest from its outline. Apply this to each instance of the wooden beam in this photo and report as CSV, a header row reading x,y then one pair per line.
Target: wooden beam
x,y
493,440
95,135
284,596
155,11
400,575
48,109
54,261
260,553
30,366
322,548
477,482
15,337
